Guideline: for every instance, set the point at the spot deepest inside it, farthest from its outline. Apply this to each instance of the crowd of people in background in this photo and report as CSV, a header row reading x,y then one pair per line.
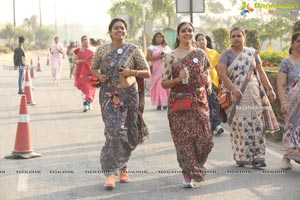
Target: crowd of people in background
x,y
189,82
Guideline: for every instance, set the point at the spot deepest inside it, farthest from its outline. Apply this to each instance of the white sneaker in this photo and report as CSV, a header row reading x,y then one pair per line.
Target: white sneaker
x,y
286,164
219,129
187,182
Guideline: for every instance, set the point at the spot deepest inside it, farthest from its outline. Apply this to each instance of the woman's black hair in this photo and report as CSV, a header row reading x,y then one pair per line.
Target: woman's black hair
x,y
293,39
83,38
164,42
209,42
113,21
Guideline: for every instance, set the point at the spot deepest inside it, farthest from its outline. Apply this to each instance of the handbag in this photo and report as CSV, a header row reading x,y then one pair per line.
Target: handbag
x,y
225,100
182,105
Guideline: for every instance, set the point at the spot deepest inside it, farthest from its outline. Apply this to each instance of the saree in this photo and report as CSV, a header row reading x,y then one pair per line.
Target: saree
x,y
56,61
83,74
124,124
252,115
291,135
158,95
190,129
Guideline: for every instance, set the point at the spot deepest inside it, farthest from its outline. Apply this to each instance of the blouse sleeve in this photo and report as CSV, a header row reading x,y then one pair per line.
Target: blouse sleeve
x,y
224,58
140,60
284,67
97,58
167,75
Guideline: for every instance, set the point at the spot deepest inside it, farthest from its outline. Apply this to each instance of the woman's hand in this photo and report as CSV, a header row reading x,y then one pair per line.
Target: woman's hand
x,y
238,94
272,95
124,71
102,78
209,91
184,74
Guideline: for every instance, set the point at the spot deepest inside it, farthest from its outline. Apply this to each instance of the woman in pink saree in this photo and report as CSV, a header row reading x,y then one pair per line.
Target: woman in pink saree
x,y
155,54
288,85
83,75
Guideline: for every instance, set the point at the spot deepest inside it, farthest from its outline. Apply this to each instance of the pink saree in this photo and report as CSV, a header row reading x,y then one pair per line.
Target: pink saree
x,y
159,96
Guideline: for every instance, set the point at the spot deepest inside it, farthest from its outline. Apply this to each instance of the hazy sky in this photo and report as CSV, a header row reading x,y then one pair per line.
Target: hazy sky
x,y
92,13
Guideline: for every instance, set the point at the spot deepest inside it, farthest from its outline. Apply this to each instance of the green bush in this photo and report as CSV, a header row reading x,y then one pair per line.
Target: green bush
x,y
272,58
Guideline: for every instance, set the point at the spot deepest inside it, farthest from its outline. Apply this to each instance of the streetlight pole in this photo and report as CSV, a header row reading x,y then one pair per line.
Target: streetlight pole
x,y
143,23
191,11
40,13
55,19
14,10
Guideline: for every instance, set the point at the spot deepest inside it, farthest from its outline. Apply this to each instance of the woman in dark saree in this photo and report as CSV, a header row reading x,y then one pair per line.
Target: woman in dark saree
x,y
190,129
288,85
120,63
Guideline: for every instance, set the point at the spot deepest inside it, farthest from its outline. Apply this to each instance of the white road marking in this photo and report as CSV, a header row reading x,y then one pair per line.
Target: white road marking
x,y
22,182
274,153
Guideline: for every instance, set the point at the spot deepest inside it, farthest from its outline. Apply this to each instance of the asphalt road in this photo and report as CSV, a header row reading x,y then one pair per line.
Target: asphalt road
x,y
70,142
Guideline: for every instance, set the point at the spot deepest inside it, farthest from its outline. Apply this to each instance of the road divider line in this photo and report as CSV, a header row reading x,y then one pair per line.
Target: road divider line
x,y
22,182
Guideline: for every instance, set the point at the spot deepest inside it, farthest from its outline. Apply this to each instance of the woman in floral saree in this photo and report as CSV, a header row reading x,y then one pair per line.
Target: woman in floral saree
x,y
119,63
250,114
288,85
190,129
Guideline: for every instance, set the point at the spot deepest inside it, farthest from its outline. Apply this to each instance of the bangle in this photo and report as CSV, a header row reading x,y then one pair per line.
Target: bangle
x,y
136,73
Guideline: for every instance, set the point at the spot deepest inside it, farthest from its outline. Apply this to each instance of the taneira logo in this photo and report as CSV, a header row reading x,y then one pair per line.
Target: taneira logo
x,y
246,8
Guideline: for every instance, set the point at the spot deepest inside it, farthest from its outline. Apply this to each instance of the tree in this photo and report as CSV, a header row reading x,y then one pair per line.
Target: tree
x,y
165,9
133,10
252,39
221,38
296,27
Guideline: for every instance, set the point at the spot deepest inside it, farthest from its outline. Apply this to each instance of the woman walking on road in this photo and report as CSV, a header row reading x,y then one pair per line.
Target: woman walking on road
x,y
186,73
250,113
155,54
83,60
213,58
288,85
56,51
120,63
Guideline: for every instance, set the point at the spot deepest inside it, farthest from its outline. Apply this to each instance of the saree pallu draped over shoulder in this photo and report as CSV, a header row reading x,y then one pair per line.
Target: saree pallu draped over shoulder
x,y
124,124
252,115
291,136
191,129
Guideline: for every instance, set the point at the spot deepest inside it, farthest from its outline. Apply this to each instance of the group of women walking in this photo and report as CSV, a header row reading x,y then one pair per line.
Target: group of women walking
x,y
182,81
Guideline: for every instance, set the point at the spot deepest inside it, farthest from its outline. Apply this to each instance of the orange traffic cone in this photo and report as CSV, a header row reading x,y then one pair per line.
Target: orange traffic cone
x,y
39,68
27,89
48,60
32,72
23,140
